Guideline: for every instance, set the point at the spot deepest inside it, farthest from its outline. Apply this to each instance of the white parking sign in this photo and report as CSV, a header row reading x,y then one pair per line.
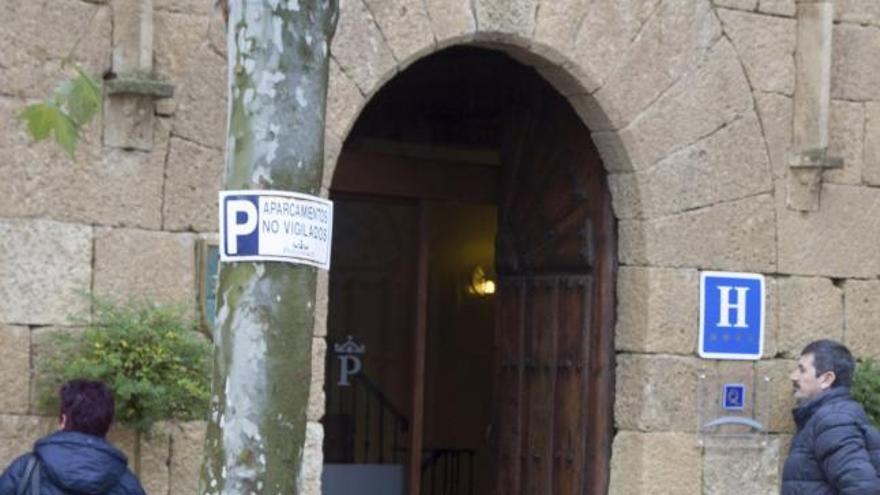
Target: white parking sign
x,y
258,225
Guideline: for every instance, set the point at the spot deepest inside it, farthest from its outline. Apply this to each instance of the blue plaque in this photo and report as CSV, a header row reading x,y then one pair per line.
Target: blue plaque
x,y
734,397
731,315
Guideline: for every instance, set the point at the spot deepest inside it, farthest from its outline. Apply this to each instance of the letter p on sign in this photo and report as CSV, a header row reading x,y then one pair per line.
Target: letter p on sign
x,y
731,315
240,222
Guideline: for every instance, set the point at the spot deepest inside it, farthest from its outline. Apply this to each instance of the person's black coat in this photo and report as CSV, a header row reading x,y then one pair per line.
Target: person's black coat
x,y
73,462
834,451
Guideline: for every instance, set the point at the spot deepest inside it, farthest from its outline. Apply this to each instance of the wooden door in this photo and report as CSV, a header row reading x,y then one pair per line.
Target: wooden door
x,y
555,260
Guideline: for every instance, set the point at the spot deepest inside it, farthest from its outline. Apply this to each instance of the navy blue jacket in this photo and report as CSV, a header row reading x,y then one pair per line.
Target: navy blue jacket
x,y
75,463
835,450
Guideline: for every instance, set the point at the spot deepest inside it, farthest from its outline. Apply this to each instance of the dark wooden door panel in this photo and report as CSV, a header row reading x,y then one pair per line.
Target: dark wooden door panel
x,y
571,414
555,260
509,381
540,381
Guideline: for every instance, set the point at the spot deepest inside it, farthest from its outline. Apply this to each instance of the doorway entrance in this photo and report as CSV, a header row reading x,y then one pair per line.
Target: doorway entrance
x,y
471,289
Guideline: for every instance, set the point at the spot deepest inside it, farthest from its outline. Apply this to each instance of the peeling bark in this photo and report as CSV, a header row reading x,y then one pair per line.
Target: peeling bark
x,y
278,69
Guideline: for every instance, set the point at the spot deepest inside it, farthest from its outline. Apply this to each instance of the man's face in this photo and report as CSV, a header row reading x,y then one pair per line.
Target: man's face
x,y
805,382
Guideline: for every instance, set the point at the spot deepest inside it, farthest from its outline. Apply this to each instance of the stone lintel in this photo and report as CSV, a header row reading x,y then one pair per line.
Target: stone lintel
x,y
138,83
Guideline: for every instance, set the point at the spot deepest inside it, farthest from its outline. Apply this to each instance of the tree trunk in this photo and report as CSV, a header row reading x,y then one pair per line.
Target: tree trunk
x,y
278,66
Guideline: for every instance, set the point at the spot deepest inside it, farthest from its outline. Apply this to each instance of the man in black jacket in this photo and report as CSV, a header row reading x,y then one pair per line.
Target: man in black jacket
x,y
76,458
835,450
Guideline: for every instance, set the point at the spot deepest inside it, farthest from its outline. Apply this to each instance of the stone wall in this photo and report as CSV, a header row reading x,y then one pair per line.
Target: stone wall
x,y
690,104
115,222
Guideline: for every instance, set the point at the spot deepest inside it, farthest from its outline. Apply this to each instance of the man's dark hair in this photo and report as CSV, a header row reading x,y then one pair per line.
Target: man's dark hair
x,y
829,355
88,407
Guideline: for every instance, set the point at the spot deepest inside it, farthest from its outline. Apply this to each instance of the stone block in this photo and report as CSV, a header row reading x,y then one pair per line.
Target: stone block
x,y
655,463
344,101
737,4
556,27
102,186
604,33
846,140
656,393
775,112
857,11
187,440
406,27
838,240
129,121
699,104
628,193
451,20
197,7
132,35
778,7
317,398
657,310
15,363
137,264
45,266
871,166
766,46
727,165
736,465
771,318
18,434
862,311
693,239
152,467
505,17
322,303
37,41
674,41
810,308
360,49
193,176
313,459
855,73
332,149
185,55
780,393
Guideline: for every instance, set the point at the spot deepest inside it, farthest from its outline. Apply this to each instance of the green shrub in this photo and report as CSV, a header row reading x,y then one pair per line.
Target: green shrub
x,y
152,356
866,389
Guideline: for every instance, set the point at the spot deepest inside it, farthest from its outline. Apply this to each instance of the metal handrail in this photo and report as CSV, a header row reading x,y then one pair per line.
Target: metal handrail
x,y
376,392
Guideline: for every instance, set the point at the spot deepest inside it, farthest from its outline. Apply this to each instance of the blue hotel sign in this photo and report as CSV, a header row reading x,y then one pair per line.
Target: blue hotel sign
x,y
731,315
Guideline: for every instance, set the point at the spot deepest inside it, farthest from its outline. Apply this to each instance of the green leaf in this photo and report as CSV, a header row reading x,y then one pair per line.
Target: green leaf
x,y
40,118
46,118
66,133
83,99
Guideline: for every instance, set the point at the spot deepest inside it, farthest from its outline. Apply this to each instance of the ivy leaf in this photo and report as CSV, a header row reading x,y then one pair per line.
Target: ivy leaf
x,y
83,98
47,118
66,134
39,118
72,106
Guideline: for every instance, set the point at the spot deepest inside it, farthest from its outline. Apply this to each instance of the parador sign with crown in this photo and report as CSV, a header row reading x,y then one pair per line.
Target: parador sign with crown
x,y
261,225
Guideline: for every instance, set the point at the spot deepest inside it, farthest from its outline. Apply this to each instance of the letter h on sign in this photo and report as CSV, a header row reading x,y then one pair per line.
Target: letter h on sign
x,y
731,315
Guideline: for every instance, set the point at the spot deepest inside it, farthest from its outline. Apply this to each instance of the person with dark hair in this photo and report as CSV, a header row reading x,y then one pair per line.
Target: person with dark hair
x,y
835,450
76,458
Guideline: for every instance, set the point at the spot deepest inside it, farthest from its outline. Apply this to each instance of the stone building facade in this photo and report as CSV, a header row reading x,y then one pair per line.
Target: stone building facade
x,y
691,105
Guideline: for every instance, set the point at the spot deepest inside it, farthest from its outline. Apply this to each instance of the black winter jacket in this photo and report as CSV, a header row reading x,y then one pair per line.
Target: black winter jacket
x,y
75,463
834,451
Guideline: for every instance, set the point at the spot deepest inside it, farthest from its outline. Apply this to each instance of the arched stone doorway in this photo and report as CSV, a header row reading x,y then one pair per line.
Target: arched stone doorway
x,y
513,391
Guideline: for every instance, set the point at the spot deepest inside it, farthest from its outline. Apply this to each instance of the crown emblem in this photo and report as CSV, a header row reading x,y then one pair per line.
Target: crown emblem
x,y
349,347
